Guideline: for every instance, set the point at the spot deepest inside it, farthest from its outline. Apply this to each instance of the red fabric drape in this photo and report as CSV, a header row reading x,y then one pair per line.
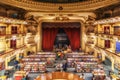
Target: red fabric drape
x,y
48,37
74,37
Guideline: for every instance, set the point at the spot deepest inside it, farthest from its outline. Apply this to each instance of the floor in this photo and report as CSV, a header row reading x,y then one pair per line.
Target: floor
x,y
31,76
88,76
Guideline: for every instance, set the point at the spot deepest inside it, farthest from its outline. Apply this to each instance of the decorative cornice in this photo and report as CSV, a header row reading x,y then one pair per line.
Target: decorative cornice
x,y
79,6
38,16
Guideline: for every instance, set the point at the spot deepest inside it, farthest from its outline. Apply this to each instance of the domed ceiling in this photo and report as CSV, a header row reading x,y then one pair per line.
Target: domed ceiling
x,y
60,1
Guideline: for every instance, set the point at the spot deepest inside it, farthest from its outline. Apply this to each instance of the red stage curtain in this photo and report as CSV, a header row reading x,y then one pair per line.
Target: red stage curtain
x,y
74,37
48,37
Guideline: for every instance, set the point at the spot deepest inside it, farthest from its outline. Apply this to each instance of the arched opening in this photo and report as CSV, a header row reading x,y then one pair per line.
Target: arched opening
x,y
50,30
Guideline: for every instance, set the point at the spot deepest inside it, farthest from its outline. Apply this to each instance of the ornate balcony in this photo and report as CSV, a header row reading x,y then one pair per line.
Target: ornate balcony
x,y
78,6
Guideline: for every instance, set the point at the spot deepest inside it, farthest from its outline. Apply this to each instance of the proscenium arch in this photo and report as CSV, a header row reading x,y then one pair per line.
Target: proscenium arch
x,y
82,32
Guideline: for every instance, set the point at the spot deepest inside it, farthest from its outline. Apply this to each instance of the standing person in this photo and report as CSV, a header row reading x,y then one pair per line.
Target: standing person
x,y
27,77
61,66
19,66
82,76
7,73
24,78
109,73
107,78
16,64
65,66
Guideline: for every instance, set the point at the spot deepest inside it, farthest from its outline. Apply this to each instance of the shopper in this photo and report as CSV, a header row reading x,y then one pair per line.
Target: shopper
x,y
82,76
109,72
24,78
16,64
19,67
27,77
65,66
7,73
107,78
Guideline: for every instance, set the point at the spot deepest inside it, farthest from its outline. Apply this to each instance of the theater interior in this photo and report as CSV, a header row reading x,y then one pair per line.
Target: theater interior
x,y
59,39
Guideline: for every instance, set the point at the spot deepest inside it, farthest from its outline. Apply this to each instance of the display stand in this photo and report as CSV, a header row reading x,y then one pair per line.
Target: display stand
x,y
85,66
19,75
98,74
35,66
3,77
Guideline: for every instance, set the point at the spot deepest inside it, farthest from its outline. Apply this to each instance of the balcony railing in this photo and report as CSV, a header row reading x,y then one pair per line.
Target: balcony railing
x,y
7,33
11,51
108,34
86,5
108,51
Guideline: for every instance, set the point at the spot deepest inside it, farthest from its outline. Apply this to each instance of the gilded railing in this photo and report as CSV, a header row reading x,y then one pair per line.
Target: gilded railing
x,y
86,5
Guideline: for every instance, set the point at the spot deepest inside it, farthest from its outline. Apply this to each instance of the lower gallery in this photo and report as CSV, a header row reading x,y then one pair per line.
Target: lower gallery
x,y
59,40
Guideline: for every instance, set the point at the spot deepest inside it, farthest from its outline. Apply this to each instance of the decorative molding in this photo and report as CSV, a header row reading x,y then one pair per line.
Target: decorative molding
x,y
107,21
78,6
11,20
38,16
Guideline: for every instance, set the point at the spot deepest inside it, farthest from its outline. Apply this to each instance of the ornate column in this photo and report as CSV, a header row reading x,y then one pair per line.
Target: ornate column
x,y
17,56
103,56
95,53
39,34
112,64
82,29
6,63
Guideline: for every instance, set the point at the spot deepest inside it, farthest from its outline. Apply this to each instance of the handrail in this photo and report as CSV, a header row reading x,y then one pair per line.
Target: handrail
x,y
108,51
108,34
7,53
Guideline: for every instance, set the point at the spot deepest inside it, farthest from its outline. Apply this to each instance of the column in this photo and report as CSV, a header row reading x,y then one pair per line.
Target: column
x,y
25,53
95,53
82,29
17,56
112,64
103,56
6,62
39,34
